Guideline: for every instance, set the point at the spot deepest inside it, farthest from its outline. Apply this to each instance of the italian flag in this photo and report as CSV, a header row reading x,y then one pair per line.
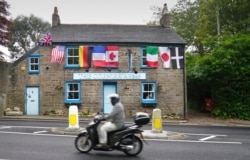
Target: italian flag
x,y
84,56
152,56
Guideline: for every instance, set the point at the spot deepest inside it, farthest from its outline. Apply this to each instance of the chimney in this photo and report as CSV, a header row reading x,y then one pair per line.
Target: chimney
x,y
165,19
55,18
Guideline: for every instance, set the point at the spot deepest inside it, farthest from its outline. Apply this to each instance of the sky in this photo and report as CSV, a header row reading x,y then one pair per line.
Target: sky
x,y
89,11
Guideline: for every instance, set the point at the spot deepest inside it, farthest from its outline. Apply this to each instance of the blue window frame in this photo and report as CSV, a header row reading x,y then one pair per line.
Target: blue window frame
x,y
148,92
72,57
143,58
34,64
72,92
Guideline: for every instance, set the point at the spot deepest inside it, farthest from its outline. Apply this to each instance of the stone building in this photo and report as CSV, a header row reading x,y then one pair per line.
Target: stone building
x,y
86,62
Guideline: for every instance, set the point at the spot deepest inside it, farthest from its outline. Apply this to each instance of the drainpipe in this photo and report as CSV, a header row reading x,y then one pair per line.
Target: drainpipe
x,y
185,86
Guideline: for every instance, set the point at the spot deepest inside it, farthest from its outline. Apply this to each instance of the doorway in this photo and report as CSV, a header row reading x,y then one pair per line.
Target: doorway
x,y
32,100
108,88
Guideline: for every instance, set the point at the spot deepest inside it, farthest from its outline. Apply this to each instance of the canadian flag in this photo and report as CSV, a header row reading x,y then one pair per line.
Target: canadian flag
x,y
112,56
165,56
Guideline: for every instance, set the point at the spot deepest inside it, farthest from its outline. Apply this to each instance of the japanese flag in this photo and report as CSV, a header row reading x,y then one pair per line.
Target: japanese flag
x,y
165,56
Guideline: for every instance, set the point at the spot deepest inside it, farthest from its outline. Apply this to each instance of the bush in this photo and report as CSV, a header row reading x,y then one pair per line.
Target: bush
x,y
225,75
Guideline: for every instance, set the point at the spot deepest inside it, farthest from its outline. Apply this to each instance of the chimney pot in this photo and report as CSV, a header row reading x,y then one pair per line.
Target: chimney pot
x,y
55,18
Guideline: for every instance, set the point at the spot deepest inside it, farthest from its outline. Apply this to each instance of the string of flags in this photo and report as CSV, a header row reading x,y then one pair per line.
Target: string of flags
x,y
102,56
107,56
174,56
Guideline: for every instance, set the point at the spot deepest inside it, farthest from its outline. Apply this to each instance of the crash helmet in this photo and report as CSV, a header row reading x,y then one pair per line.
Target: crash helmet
x,y
114,98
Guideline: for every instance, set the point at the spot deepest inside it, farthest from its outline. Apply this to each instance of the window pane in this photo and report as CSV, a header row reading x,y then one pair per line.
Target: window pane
x,y
144,53
34,64
143,57
32,60
149,95
144,61
70,52
148,87
70,60
73,91
73,56
76,60
33,67
148,91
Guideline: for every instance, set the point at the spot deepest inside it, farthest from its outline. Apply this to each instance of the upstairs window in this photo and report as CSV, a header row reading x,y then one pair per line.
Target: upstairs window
x,y
148,92
72,92
34,64
72,58
143,57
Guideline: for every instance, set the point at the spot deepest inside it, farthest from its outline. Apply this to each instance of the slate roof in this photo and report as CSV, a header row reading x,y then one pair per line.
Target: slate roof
x,y
127,34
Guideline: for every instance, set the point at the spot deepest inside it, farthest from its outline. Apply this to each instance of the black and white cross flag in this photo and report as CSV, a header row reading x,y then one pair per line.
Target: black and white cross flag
x,y
177,57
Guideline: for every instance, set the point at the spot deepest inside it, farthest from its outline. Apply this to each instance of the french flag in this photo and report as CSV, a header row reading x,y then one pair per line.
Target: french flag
x,y
99,56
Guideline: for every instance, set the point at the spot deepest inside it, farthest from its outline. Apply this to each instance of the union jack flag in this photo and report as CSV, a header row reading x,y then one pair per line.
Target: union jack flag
x,y
47,40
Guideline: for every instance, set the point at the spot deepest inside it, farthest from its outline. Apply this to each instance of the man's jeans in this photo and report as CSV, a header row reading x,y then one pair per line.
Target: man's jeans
x,y
103,129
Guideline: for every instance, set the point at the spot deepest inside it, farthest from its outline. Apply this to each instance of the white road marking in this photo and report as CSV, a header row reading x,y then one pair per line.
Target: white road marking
x,y
207,138
161,140
5,127
193,141
28,127
195,134
40,132
203,140
32,134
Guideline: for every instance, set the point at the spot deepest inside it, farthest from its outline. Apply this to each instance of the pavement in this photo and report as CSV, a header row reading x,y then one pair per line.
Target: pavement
x,y
202,119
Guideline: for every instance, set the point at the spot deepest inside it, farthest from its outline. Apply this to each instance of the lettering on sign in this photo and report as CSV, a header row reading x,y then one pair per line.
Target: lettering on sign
x,y
109,76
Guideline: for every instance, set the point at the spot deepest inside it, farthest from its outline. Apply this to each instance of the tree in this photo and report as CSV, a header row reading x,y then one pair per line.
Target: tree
x,y
156,15
26,32
184,17
4,34
221,18
225,73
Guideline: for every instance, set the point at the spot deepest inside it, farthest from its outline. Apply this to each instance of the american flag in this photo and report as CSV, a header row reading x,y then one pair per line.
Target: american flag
x,y
57,54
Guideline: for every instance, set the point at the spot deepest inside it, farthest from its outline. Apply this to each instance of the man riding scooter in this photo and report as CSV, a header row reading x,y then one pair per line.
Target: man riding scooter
x,y
116,117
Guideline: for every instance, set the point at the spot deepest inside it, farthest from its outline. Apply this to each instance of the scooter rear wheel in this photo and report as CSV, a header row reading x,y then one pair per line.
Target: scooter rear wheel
x,y
137,147
83,144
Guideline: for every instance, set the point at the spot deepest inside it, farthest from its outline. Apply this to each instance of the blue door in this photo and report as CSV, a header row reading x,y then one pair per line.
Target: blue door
x,y
108,88
32,100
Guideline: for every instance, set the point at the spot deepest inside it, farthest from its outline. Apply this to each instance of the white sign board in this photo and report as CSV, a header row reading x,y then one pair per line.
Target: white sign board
x,y
109,76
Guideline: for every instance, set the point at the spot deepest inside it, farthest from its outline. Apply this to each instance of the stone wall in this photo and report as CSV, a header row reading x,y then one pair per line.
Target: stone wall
x,y
3,76
170,95
3,85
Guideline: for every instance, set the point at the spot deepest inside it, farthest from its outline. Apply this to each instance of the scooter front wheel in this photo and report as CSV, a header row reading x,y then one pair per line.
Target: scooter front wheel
x,y
137,147
83,143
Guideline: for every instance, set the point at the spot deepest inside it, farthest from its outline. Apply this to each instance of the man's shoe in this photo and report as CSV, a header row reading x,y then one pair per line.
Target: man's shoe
x,y
101,145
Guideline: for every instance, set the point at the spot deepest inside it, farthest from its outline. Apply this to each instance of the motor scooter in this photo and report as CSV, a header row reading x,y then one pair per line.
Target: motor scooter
x,y
127,139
